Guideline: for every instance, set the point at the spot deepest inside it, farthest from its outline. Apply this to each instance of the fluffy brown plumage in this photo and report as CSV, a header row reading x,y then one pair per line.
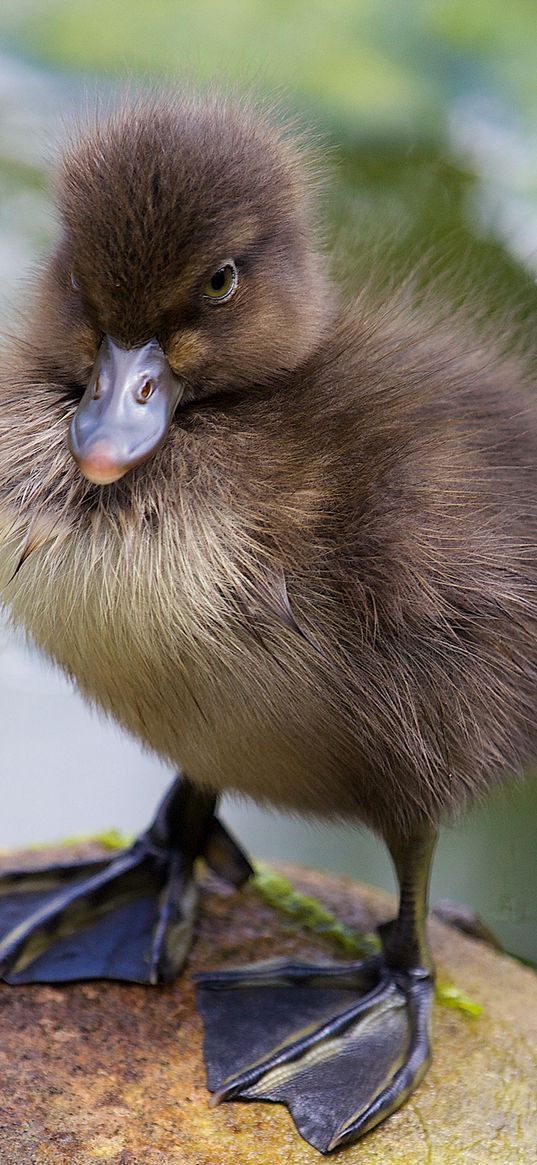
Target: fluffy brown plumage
x,y
322,590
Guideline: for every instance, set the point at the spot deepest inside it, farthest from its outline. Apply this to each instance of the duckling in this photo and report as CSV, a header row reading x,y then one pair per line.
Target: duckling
x,y
288,542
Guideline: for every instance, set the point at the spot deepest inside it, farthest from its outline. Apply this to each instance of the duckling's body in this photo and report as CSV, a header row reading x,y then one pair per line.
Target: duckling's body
x,y
279,577
319,587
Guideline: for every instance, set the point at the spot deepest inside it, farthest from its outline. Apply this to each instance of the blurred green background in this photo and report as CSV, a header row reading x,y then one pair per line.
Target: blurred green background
x,y
426,110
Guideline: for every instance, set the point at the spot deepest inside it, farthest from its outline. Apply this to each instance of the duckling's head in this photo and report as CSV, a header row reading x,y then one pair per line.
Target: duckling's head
x,y
186,269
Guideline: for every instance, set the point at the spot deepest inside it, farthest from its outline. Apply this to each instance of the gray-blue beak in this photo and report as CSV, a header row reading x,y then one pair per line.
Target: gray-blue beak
x,y
125,412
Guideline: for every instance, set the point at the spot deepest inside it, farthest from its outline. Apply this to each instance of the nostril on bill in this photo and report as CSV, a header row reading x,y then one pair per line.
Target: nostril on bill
x,y
145,391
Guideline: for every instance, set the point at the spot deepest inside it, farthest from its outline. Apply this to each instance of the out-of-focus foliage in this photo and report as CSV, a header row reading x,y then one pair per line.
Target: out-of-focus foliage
x,y
393,63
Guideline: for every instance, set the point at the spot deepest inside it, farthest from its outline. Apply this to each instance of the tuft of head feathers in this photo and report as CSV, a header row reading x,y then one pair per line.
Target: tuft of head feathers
x,y
152,202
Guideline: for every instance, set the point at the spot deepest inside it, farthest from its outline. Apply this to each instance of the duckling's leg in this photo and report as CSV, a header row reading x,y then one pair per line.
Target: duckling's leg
x,y
342,1047
130,917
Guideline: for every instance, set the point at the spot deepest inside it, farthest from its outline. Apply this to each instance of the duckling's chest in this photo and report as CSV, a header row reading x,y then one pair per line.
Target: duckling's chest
x,y
166,639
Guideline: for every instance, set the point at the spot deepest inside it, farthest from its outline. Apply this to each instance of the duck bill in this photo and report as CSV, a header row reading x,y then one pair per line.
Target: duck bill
x,y
126,410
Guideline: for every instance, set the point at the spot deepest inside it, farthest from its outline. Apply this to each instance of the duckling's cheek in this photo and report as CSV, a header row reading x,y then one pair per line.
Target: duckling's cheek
x,y
88,343
186,350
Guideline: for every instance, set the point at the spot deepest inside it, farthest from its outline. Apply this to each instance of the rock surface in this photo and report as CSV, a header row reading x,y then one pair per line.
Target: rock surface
x,y
104,1072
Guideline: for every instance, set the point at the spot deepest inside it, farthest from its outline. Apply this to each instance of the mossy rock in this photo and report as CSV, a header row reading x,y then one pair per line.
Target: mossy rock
x,y
107,1072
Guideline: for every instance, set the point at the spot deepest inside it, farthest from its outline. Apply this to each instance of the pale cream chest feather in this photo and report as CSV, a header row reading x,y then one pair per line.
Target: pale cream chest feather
x,y
153,631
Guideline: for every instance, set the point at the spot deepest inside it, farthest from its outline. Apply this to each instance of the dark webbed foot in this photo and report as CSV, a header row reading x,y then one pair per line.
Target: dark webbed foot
x,y
350,1043
342,1047
130,917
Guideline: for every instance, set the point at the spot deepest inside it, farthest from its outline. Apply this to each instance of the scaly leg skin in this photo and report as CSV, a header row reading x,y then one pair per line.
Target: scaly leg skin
x,y
343,1047
130,917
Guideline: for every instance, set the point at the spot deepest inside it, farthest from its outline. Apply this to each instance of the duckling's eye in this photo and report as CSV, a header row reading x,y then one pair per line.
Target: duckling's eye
x,y
74,282
222,283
